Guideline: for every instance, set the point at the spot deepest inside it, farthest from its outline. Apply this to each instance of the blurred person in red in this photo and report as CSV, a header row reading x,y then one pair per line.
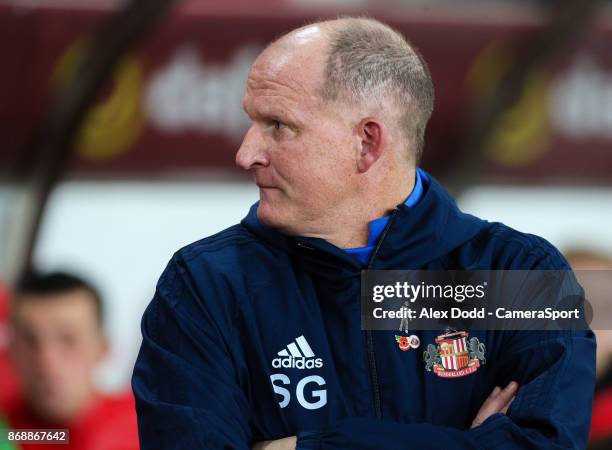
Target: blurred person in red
x,y
597,290
8,383
56,341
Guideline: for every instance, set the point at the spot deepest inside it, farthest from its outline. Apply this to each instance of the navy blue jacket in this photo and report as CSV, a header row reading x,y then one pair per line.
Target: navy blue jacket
x,y
253,335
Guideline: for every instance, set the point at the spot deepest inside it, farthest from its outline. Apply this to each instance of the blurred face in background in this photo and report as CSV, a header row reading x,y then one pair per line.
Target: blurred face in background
x,y
56,342
595,276
301,150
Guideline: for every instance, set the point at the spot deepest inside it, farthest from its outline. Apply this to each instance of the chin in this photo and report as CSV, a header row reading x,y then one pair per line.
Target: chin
x,y
52,411
268,215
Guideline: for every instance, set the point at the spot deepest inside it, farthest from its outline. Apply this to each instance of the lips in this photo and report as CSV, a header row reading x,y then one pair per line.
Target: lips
x,y
264,179
266,186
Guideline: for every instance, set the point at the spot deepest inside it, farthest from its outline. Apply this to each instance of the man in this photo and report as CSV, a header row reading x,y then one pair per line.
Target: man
x,y
594,271
254,334
56,341
7,376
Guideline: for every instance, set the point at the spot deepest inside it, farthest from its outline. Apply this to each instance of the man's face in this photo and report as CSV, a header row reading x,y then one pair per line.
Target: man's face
x,y
302,150
56,343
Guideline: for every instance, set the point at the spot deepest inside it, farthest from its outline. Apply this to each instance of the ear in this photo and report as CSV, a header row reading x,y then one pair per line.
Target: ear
x,y
372,134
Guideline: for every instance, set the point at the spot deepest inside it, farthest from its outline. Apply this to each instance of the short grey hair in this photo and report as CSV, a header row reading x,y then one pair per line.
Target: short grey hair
x,y
368,58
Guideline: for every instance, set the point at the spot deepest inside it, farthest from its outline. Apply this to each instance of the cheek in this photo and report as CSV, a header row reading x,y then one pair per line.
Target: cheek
x,y
23,352
81,354
316,168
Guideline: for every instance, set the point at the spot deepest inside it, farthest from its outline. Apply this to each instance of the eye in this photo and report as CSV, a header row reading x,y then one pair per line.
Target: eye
x,y
279,129
278,125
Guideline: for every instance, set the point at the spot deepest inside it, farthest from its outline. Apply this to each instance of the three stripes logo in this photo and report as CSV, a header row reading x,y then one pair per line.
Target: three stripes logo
x,y
297,355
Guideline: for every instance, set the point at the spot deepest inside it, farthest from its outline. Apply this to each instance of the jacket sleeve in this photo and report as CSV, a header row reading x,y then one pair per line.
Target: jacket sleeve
x,y
551,411
187,390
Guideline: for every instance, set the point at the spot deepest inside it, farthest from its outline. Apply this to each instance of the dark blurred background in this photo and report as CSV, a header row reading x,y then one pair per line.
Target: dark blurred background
x,y
119,122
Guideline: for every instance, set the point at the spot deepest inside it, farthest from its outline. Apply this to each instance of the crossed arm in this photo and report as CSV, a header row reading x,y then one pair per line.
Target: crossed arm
x,y
498,402
188,394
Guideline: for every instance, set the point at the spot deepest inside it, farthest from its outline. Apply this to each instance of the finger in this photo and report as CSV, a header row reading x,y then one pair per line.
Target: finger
x,y
505,396
505,409
496,402
502,398
291,443
486,407
288,443
489,403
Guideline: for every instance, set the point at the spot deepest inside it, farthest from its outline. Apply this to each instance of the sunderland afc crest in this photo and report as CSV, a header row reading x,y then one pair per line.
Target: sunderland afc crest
x,y
454,356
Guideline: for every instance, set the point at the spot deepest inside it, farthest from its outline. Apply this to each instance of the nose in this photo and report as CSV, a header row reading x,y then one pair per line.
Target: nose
x,y
48,360
252,151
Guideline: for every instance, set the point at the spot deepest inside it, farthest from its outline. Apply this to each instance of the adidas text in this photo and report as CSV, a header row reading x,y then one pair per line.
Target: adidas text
x,y
292,362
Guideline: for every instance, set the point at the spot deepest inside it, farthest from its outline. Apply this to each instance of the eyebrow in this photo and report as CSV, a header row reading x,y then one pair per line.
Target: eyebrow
x,y
274,112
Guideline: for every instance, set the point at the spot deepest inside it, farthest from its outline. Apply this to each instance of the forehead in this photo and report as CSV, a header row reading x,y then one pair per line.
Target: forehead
x,y
67,309
284,76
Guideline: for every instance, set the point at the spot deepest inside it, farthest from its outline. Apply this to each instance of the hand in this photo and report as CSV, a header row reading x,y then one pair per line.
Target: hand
x,y
279,444
498,402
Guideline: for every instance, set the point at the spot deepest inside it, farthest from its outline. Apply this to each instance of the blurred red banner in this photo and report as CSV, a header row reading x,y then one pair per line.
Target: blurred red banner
x,y
174,103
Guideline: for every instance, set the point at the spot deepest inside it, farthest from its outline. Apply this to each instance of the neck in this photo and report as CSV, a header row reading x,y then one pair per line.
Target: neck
x,y
350,227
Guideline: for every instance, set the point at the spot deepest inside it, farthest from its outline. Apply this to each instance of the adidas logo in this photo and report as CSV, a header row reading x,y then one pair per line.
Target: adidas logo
x,y
297,355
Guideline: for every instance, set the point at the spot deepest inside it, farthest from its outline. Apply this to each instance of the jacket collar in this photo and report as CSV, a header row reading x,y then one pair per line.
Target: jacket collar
x,y
413,237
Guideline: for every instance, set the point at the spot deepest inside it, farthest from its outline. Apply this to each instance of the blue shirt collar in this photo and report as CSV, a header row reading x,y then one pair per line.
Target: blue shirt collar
x,y
378,225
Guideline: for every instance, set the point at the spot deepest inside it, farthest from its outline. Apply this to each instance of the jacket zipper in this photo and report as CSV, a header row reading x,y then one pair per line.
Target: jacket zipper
x,y
369,336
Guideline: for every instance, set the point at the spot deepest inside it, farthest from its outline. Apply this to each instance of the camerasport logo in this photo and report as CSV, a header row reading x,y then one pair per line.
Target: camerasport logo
x,y
297,355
